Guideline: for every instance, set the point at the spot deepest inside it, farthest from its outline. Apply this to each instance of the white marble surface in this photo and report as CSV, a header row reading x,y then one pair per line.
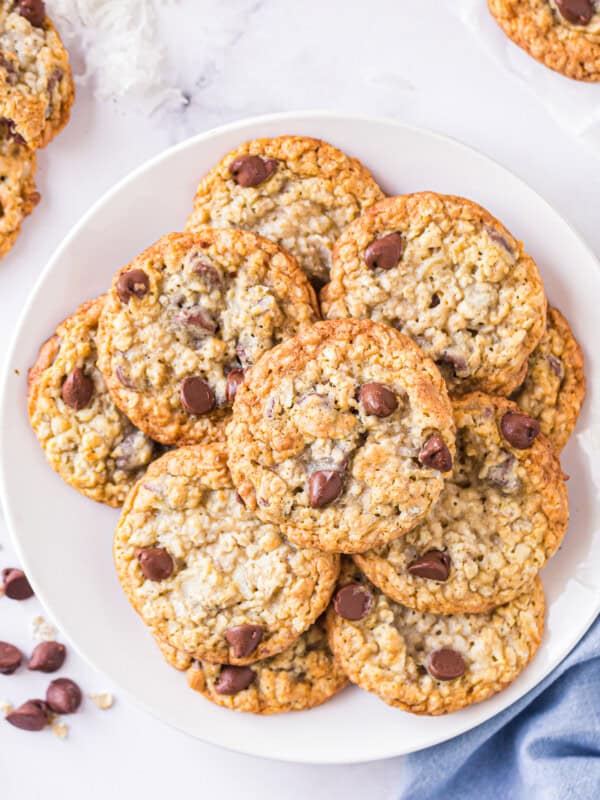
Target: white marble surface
x,y
236,58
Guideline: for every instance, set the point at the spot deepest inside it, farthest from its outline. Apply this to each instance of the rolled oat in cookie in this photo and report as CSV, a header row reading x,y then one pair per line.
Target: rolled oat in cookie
x,y
86,439
207,577
18,196
297,191
443,271
431,664
501,515
342,435
184,321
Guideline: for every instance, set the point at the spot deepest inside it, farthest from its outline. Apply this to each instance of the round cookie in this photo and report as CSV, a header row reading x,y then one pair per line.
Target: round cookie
x,y
562,34
207,577
36,86
500,517
297,191
175,658
85,438
446,273
426,663
342,435
186,318
18,196
303,676
554,386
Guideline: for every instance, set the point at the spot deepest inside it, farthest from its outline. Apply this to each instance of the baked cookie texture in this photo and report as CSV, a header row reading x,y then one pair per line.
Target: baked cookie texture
x,y
186,313
18,196
501,515
36,86
301,677
539,27
225,569
85,438
306,194
445,272
329,431
394,651
554,387
175,658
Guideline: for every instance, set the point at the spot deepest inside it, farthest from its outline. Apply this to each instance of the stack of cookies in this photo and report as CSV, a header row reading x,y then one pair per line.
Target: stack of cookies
x,y
366,497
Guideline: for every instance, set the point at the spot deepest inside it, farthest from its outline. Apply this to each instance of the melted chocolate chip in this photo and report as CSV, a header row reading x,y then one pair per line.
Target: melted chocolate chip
x,y
47,657
324,487
446,664
30,716
578,12
435,301
155,563
433,565
377,399
435,454
33,10
196,396
134,283
250,171
385,252
353,601
63,696
244,639
519,430
16,585
234,679
10,658
197,317
77,390
235,378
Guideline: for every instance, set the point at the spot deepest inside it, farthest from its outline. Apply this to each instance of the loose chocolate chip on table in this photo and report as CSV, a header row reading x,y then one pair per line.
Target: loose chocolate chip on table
x,y
353,601
578,12
10,658
324,487
234,378
63,696
385,252
434,564
47,657
435,454
33,10
249,171
16,585
377,399
77,390
155,563
244,639
234,679
446,664
196,396
519,430
132,283
30,716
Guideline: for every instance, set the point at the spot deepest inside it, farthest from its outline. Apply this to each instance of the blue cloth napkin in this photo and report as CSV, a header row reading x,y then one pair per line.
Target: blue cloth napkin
x,y
546,746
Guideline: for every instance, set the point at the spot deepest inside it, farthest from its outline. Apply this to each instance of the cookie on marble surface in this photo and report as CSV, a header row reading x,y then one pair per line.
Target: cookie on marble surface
x,y
554,386
446,273
36,86
564,35
86,439
301,677
187,317
342,435
501,515
297,191
206,576
427,663
18,196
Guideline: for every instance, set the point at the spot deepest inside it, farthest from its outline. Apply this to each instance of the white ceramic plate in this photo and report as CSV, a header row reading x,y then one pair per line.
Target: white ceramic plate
x,y
64,540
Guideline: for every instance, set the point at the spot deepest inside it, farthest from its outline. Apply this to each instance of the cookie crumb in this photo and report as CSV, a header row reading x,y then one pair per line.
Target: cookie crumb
x,y
60,729
102,700
5,706
42,630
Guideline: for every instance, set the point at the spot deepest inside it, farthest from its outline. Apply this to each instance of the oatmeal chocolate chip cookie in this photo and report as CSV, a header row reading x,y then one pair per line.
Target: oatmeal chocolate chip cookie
x,y
206,576
299,192
342,435
431,664
36,86
184,321
85,438
18,196
178,659
443,271
303,676
554,386
562,34
500,517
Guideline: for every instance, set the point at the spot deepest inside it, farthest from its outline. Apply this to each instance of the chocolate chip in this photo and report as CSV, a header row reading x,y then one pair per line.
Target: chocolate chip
x,y
446,664
209,275
10,658
353,601
455,363
134,451
499,239
249,171
123,378
63,696
435,454
244,639
556,366
196,396
197,317
435,301
385,252
519,430
434,565
235,378
504,475
33,10
324,487
31,716
155,563
132,283
234,679
47,657
377,399
77,390
16,585
578,12
11,129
